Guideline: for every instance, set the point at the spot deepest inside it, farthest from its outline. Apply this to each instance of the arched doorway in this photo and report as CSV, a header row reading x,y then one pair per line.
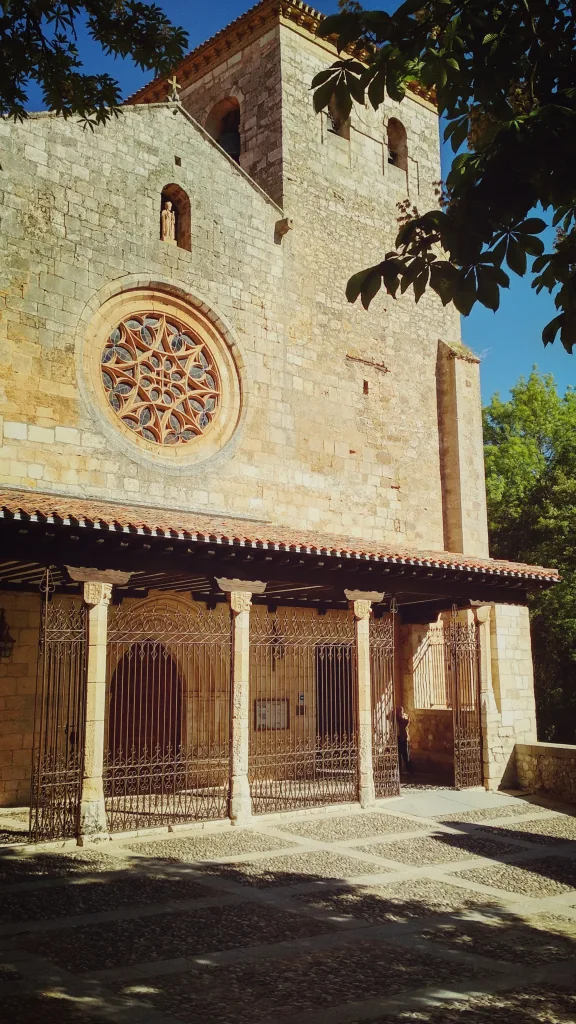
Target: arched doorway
x,y
145,717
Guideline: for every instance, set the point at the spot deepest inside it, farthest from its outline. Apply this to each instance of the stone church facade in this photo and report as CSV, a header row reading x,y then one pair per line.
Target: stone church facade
x,y
242,522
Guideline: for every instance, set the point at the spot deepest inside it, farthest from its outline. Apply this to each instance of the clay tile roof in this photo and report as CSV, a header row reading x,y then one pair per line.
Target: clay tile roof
x,y
197,526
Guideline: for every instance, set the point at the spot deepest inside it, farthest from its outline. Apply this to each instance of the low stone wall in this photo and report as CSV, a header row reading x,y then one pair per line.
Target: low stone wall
x,y
547,768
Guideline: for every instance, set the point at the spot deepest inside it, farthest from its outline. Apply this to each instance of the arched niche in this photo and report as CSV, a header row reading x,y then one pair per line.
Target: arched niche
x,y
146,704
175,198
397,144
223,124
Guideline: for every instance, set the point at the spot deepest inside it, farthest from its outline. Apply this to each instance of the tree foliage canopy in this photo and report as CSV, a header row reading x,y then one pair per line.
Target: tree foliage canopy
x,y
530,451
38,43
504,74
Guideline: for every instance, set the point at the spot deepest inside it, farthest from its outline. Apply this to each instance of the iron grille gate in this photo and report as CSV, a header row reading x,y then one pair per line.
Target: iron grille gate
x,y
464,653
384,738
303,705
58,720
168,737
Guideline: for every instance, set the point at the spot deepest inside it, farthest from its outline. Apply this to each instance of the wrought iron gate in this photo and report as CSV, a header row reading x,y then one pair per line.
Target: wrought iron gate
x,y
303,735
464,655
384,738
168,736
58,720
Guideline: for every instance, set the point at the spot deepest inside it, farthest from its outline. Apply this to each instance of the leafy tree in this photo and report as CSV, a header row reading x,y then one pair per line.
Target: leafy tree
x,y
530,449
504,75
38,43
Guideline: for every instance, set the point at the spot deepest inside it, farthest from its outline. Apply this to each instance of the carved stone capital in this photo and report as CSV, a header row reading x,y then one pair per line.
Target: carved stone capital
x,y
240,601
361,608
482,614
97,593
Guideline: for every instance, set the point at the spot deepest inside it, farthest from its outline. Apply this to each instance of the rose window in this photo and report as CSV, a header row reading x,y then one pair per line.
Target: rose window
x,y
160,378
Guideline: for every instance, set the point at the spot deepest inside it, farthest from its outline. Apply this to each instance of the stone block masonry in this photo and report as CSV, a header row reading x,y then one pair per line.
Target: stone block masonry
x,y
548,768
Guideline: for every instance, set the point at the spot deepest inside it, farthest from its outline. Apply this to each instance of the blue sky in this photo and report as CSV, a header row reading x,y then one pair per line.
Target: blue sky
x,y
508,341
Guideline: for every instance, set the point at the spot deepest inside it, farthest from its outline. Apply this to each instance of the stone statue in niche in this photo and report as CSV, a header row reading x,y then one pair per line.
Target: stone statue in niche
x,y
168,223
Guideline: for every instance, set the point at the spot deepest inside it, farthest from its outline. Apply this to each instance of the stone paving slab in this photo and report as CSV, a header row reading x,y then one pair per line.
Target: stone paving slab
x,y
538,878
246,993
352,826
294,869
164,936
53,1007
439,849
209,847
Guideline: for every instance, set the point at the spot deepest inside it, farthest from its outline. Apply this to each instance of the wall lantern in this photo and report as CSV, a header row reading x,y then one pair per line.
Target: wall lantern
x,y
6,641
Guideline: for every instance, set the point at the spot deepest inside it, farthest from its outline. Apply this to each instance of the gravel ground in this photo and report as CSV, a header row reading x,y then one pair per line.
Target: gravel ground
x,y
50,1007
530,1006
209,847
244,993
507,938
491,813
353,826
296,868
94,897
165,936
401,901
540,878
439,849
562,828
22,867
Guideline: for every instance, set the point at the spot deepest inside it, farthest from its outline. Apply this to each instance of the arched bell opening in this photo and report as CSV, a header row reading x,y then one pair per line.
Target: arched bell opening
x,y
223,124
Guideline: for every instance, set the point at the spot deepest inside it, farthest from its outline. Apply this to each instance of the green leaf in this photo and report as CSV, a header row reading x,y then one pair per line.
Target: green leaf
x,y
533,245
420,284
488,290
371,286
464,295
376,90
516,256
324,94
356,283
551,330
534,225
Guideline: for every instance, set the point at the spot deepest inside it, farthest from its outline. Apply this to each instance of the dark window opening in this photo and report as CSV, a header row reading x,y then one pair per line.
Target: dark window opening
x,y
397,144
337,124
223,124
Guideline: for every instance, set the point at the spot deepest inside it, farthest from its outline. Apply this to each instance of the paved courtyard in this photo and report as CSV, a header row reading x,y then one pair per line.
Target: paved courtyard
x,y
441,907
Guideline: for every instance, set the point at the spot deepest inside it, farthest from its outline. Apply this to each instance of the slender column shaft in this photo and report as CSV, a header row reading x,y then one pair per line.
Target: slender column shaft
x,y
361,609
240,799
92,824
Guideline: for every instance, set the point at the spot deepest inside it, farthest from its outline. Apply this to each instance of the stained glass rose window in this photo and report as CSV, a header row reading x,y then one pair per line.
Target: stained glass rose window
x,y
160,378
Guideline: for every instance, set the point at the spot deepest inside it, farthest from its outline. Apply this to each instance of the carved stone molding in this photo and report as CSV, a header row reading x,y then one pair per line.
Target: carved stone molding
x,y
97,593
243,586
482,614
364,595
80,574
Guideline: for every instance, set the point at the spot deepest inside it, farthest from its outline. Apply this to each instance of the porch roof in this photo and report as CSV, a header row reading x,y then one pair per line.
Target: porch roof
x,y
202,528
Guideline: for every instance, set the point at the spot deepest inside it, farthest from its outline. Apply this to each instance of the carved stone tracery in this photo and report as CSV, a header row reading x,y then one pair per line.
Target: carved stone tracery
x,y
160,378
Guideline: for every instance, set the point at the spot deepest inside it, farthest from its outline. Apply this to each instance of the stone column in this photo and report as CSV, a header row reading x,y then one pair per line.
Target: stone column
x,y
361,605
239,594
489,714
92,825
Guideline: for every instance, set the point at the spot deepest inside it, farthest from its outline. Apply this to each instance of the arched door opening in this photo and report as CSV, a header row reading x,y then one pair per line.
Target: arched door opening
x,y
223,124
145,718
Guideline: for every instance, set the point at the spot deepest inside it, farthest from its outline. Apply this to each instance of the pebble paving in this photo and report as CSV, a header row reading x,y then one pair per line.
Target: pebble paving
x,y
438,849
259,951
361,826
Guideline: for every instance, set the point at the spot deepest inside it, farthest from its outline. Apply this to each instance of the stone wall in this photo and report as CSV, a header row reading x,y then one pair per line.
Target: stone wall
x,y
17,697
548,768
339,429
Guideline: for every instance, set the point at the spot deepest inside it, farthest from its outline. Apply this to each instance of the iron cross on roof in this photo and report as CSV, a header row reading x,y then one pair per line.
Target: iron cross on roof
x,y
174,97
